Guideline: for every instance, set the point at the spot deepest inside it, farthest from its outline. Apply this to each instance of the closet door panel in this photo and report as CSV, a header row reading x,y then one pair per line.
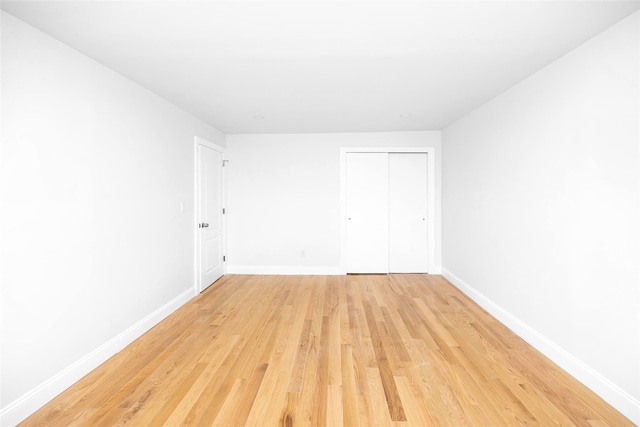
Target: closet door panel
x,y
407,212
367,212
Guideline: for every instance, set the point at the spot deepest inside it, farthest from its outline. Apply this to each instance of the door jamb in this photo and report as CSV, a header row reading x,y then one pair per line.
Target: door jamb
x,y
431,197
198,141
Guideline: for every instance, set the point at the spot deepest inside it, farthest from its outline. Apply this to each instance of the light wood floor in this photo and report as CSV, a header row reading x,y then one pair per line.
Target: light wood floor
x,y
400,350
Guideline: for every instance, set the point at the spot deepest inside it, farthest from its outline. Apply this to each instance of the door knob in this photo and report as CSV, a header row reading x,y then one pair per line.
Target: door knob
x,y
204,225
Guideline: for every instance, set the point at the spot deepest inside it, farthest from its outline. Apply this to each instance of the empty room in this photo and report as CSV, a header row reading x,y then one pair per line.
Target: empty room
x,y
236,213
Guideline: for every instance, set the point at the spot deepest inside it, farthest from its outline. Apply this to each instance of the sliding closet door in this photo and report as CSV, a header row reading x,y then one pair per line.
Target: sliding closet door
x,y
407,212
367,212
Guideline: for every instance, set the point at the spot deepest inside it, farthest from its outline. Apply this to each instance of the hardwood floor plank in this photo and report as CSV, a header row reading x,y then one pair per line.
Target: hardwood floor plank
x,y
417,413
380,415
295,383
386,374
363,350
272,394
225,411
343,310
306,401
321,379
334,406
289,417
394,325
243,407
334,371
237,366
349,393
217,352
176,396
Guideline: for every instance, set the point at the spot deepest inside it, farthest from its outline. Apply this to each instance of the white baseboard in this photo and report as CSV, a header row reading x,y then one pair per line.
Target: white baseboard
x,y
33,400
288,270
611,393
285,270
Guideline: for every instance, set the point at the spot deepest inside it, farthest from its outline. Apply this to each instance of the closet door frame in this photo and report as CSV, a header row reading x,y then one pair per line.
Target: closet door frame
x,y
431,197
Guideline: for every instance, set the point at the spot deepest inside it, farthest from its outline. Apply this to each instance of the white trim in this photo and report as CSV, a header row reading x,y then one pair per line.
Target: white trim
x,y
285,270
614,395
432,268
196,197
436,269
33,400
201,141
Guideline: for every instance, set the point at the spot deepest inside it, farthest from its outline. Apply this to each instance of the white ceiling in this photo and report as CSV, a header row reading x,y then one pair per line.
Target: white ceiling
x,y
330,66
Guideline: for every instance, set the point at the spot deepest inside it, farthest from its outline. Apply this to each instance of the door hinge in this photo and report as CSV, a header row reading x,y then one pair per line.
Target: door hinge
x,y
224,258
224,211
224,163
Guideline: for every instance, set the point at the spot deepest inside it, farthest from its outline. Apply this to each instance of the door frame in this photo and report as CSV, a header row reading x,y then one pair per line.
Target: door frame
x,y
199,141
431,197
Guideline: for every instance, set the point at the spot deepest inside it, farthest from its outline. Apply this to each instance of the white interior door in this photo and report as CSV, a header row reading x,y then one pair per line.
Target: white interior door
x,y
210,237
367,219
407,212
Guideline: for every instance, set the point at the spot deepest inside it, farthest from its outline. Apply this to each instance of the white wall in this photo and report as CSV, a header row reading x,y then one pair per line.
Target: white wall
x,y
94,248
541,211
284,197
